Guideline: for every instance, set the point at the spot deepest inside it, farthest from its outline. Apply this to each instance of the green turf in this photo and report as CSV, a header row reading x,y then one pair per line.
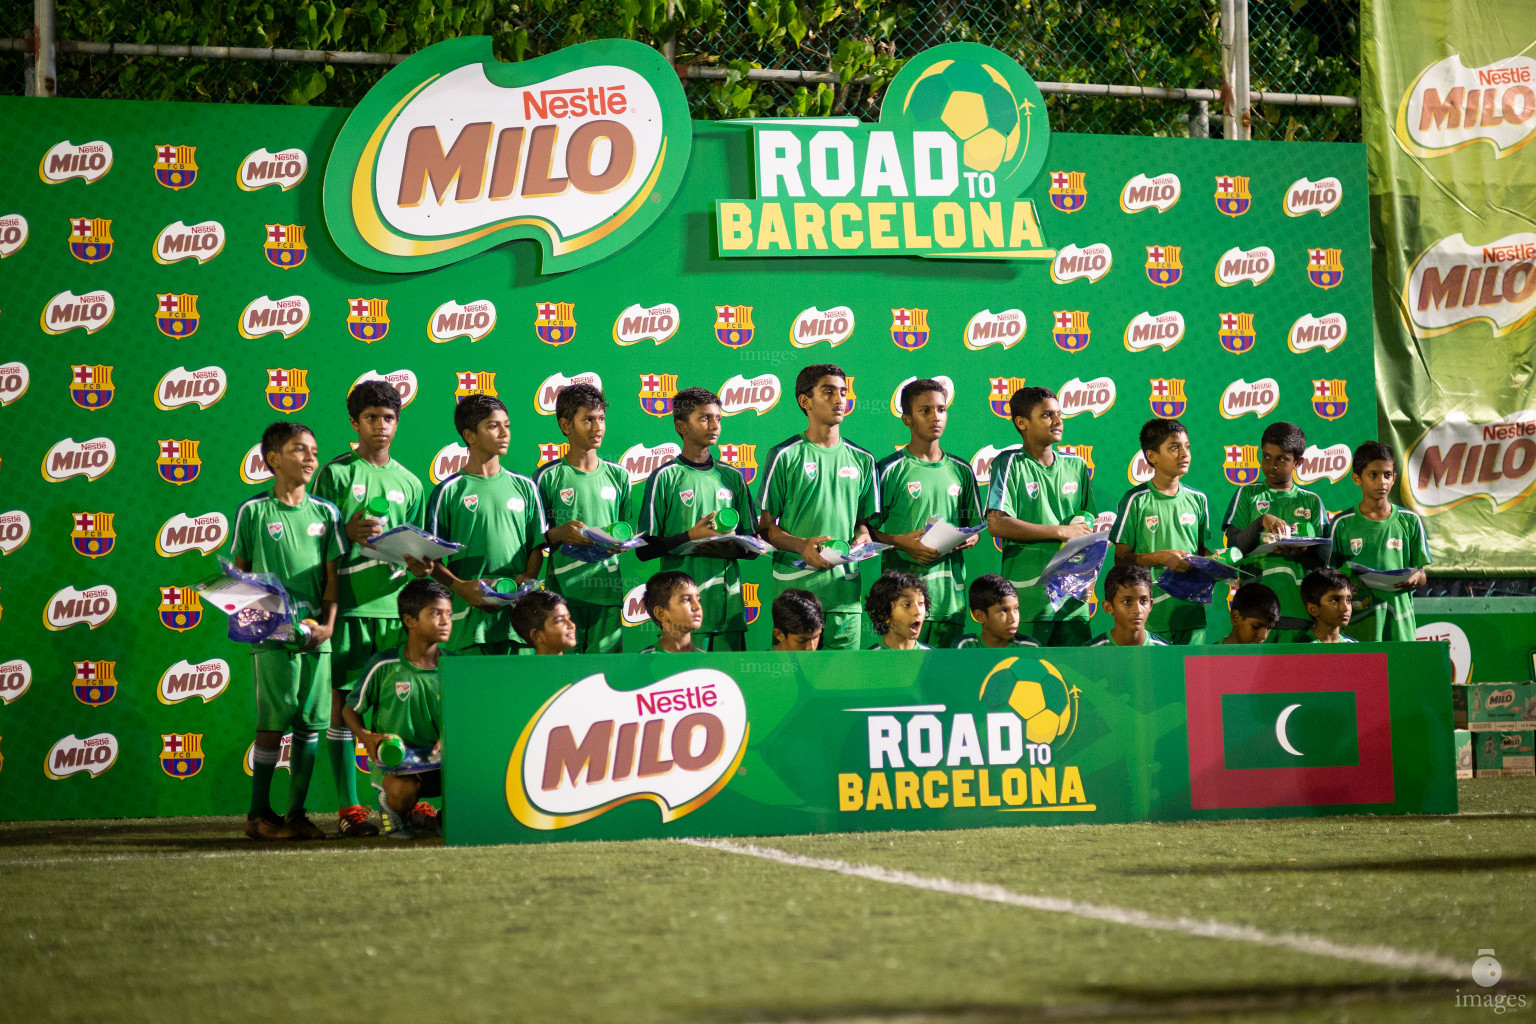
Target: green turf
x,y
170,920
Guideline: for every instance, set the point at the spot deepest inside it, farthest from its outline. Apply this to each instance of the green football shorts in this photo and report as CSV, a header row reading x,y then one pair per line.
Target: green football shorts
x,y
292,690
356,641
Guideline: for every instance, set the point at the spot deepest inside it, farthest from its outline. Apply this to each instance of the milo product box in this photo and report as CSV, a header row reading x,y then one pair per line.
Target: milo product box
x,y
1464,754
1504,754
1501,707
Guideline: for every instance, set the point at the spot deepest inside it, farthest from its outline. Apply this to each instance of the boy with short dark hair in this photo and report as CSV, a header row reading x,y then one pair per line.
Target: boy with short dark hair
x,y
995,607
817,488
297,537
1328,595
1278,505
1380,535
1128,593
400,695
918,482
544,622
898,604
580,489
797,621
672,600
1255,610
366,587
682,498
1038,499
498,517
1162,523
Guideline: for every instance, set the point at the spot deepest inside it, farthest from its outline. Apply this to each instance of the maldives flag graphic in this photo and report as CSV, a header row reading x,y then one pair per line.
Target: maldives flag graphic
x,y
1294,730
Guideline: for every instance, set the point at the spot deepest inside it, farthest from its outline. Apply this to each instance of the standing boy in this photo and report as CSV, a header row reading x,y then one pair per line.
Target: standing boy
x,y
1035,498
918,482
818,488
296,537
366,588
1278,506
495,514
1162,523
1128,593
579,489
1380,535
682,499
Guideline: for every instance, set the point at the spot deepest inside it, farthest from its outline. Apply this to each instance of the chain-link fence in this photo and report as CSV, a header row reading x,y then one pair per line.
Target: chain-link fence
x,y
737,57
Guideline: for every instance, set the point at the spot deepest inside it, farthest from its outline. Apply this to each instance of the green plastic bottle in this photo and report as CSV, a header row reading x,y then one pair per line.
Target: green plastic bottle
x,y
621,531
726,520
391,751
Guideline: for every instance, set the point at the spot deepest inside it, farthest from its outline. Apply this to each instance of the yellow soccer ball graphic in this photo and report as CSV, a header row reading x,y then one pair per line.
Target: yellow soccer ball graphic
x,y
1045,705
973,102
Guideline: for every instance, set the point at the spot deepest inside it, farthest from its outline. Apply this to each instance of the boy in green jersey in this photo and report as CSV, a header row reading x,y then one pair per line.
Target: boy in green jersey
x,y
1161,523
544,622
672,600
682,498
918,482
898,605
1034,504
817,488
1380,535
1128,593
1254,611
995,607
296,537
496,514
366,588
579,489
797,621
1328,595
399,695
1278,506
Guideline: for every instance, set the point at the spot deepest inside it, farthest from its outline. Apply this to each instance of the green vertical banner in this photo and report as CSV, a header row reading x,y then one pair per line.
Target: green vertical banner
x,y
1449,93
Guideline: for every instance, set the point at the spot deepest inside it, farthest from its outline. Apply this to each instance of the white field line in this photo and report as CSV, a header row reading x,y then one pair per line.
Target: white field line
x,y
1381,956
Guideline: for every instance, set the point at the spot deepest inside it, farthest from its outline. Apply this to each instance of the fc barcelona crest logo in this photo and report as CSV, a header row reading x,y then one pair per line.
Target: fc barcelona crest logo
x,y
181,754
1082,451
1163,265
90,239
555,322
474,382
1002,390
95,682
743,457
1328,399
176,166
367,320
180,608
733,325
909,328
1237,334
1232,197
1325,267
178,462
1070,330
93,535
287,390
751,607
176,315
285,249
91,387
1167,398
656,391
852,399
1068,192
1241,464
550,451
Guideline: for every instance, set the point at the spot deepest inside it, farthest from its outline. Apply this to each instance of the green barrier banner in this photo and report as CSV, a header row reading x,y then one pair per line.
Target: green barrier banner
x,y
1492,639
1449,94
619,747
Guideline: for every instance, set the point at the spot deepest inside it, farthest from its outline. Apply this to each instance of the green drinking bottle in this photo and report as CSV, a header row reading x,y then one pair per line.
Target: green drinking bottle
x,y
391,751
621,531
726,520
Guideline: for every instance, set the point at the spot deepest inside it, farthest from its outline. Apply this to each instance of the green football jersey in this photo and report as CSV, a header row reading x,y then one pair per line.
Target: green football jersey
x,y
819,492
1053,495
911,492
366,587
499,520
293,543
1308,637
1150,521
1152,640
394,696
1396,542
598,498
1302,510
973,640
677,495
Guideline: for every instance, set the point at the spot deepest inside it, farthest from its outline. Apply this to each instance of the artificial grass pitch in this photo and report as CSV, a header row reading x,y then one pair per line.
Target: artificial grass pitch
x,y
158,920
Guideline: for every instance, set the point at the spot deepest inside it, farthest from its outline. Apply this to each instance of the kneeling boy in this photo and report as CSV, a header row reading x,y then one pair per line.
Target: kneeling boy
x,y
797,621
672,599
994,604
543,620
898,604
1128,592
1255,613
1327,594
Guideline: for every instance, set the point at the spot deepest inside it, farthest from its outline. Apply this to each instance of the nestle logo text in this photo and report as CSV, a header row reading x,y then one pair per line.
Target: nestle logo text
x,y
664,701
548,103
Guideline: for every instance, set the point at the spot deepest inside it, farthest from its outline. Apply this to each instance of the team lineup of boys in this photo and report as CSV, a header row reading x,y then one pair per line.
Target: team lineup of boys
x,y
370,669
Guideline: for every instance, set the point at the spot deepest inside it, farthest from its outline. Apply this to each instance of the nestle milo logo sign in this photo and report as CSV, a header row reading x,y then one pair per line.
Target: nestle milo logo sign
x,y
454,152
